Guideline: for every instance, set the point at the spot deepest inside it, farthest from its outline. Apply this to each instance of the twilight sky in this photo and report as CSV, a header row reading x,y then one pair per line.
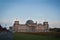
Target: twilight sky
x,y
37,10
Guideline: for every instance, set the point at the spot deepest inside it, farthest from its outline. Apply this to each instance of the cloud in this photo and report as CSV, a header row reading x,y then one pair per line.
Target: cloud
x,y
54,24
5,21
9,22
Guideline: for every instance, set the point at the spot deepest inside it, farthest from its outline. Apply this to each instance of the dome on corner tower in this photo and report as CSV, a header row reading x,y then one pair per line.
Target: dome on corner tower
x,y
29,22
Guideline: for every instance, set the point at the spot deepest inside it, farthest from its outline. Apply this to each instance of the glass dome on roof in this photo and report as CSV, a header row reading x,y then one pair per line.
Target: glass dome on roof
x,y
29,22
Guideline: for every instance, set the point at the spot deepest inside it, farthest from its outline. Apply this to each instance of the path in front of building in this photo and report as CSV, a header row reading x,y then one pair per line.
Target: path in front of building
x,y
6,36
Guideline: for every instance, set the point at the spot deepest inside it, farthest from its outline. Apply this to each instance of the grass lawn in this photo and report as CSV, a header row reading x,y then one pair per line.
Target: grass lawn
x,y
22,36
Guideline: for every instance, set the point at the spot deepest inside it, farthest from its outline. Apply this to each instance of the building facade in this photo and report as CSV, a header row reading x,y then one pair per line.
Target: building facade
x,y
30,26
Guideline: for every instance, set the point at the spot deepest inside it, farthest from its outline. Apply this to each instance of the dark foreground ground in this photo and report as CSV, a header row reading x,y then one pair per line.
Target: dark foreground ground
x,y
6,36
29,36
36,36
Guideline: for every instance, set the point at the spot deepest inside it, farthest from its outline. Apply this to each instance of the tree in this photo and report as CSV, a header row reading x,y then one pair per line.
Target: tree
x,y
1,28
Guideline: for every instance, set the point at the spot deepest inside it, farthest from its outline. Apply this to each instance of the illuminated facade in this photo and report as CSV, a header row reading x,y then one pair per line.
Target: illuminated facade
x,y
30,26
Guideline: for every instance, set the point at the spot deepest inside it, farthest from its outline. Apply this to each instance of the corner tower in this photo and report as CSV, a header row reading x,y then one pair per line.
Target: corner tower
x,y
16,25
46,26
